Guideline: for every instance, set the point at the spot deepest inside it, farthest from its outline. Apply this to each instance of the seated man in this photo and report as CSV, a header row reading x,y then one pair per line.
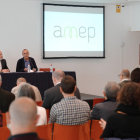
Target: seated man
x,y
53,95
22,64
22,118
107,107
70,110
3,64
21,80
124,77
6,98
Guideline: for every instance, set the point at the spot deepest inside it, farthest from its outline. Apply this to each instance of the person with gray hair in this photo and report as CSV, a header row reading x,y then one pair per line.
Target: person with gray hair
x,y
22,118
124,77
107,107
26,90
53,95
21,80
6,98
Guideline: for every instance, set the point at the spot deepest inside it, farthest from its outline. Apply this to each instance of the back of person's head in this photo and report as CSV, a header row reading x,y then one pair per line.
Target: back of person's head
x,y
20,80
68,84
111,90
135,75
125,73
58,74
23,113
26,89
130,95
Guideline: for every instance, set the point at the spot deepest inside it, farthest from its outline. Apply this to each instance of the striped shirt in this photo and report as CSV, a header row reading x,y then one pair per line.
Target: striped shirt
x,y
70,111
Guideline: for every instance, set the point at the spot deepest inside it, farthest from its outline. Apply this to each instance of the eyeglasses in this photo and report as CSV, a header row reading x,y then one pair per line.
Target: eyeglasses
x,y
119,75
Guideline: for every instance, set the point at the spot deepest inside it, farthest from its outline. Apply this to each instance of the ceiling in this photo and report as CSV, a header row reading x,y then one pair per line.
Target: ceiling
x,y
95,1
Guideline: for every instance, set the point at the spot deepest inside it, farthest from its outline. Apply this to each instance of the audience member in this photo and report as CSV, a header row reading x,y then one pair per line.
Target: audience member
x,y
3,64
70,110
124,77
21,80
26,89
107,107
135,75
5,98
22,118
124,123
53,95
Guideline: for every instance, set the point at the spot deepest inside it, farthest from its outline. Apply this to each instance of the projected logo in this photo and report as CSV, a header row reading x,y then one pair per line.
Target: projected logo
x,y
73,32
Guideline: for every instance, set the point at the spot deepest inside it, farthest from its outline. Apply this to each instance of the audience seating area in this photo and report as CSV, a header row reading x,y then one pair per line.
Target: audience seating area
x,y
63,132
90,130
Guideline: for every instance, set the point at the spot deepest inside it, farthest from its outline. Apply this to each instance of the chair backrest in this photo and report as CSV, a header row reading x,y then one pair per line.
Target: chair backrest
x,y
45,131
4,119
96,130
46,69
48,115
97,100
4,133
72,132
39,103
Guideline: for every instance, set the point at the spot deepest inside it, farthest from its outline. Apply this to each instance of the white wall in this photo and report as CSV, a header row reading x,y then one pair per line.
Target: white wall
x,y
21,27
134,17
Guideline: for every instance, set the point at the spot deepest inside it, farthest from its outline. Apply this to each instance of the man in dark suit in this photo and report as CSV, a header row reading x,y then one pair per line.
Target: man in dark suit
x,y
6,98
22,64
22,118
53,95
3,64
107,107
124,77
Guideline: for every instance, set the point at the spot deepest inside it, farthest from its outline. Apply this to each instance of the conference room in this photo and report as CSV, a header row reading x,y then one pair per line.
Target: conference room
x,y
90,40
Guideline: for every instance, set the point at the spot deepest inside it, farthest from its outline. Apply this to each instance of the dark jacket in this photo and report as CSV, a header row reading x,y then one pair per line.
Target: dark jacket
x,y
123,83
123,125
4,64
27,136
53,96
103,109
6,98
21,65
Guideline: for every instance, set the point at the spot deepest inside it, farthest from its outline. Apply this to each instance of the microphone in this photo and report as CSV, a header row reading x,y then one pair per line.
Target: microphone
x,y
31,63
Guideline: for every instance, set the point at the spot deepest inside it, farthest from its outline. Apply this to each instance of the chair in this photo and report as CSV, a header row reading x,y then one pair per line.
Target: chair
x,y
4,119
39,103
46,69
96,130
97,100
48,115
71,132
45,131
4,133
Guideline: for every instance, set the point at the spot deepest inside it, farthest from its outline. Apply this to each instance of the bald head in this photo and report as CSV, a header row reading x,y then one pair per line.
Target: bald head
x,y
58,74
125,73
20,80
23,112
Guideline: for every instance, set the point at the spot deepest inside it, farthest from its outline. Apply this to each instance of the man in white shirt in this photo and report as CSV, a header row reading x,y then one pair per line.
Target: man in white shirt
x,y
3,64
23,80
124,77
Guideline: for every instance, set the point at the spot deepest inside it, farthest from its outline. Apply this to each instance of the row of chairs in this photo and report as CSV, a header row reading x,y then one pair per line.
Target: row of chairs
x,y
89,131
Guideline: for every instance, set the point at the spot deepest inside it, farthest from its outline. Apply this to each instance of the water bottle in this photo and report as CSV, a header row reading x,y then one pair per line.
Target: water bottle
x,y
28,67
51,68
